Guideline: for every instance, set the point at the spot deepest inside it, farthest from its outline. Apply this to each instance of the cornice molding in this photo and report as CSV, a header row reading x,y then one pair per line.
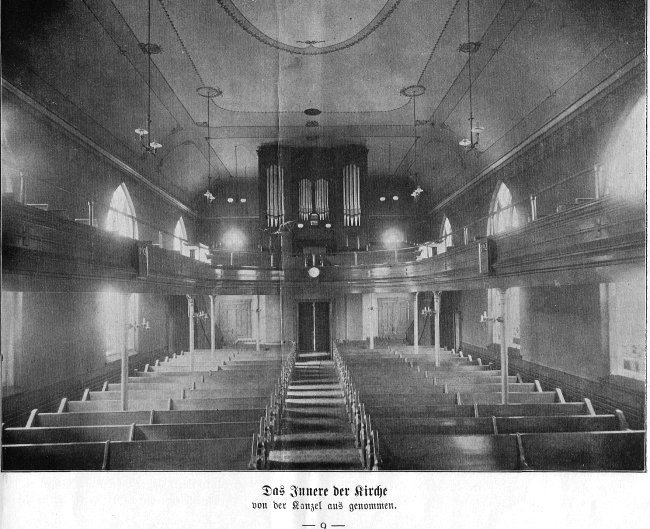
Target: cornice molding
x,y
123,166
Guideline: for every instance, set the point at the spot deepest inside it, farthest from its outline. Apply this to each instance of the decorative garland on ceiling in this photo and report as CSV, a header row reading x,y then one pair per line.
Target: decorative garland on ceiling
x,y
237,16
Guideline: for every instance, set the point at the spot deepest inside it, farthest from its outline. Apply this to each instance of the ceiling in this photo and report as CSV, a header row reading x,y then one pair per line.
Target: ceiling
x,y
536,58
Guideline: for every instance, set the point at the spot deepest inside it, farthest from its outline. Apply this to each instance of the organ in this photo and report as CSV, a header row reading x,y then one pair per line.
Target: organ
x,y
322,191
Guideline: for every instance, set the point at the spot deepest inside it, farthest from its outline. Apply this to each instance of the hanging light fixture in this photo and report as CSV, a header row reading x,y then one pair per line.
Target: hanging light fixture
x,y
236,198
209,92
470,47
149,49
414,91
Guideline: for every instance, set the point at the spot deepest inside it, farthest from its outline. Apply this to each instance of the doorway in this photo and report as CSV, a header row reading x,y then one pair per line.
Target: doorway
x,y
314,326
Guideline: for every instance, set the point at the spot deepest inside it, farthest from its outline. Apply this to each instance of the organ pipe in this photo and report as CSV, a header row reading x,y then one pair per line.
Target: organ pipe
x,y
275,195
351,196
322,203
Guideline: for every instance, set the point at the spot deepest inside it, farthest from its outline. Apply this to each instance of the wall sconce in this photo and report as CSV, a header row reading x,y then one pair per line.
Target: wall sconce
x,y
202,315
426,311
144,324
486,319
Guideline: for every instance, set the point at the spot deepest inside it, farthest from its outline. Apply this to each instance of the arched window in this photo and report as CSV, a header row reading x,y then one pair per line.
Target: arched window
x,y
445,235
121,214
180,238
503,213
504,217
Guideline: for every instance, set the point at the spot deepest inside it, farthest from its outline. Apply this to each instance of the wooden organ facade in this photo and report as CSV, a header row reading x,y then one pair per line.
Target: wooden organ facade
x,y
313,196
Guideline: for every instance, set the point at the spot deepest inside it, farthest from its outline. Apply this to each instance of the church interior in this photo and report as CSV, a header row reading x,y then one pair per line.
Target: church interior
x,y
324,235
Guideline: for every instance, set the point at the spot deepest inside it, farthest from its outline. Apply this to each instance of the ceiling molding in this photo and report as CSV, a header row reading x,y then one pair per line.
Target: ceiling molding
x,y
236,15
6,85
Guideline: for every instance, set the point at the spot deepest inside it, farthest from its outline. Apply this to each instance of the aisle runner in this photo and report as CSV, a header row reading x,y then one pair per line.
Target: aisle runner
x,y
314,432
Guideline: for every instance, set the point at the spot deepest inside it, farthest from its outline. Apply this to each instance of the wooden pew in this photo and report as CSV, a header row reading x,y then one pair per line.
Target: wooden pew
x,y
537,397
407,400
448,452
185,454
623,450
182,454
490,387
433,426
219,404
227,393
92,418
164,432
68,456
557,423
590,451
207,416
494,425
135,395
66,434
146,417
115,405
479,410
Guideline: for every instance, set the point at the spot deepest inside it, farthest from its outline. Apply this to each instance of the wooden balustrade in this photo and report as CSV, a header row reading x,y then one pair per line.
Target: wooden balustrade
x,y
584,238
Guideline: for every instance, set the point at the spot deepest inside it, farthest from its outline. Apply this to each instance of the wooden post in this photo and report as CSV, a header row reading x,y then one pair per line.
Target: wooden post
x,y
416,325
372,322
281,318
124,382
436,313
212,347
504,347
257,336
190,316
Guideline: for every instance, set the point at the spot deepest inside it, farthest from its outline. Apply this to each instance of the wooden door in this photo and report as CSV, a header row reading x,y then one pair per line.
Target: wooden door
x,y
393,318
313,326
235,321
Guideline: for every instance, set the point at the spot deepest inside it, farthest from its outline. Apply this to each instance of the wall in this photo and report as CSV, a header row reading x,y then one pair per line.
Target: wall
x,y
572,336
60,336
269,320
60,171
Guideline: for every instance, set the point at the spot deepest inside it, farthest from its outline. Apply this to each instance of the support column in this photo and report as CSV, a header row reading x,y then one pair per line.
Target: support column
x,y
281,318
436,328
124,375
257,334
212,337
416,325
603,290
504,347
190,317
372,321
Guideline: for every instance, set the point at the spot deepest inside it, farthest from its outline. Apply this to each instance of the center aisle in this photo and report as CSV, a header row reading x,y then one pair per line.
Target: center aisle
x,y
315,433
